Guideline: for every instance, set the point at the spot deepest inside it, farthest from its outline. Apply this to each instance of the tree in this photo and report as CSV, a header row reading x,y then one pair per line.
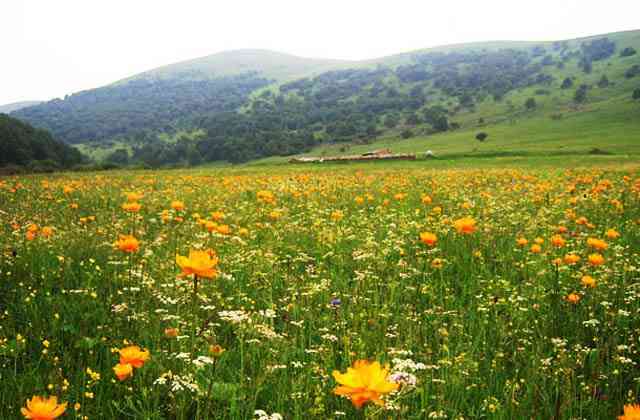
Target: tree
x,y
118,156
636,94
482,136
627,52
603,82
632,72
406,134
530,104
391,121
581,94
566,83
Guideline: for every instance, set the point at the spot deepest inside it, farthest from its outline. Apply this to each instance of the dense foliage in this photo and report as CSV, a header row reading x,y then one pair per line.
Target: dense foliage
x,y
21,144
246,117
127,108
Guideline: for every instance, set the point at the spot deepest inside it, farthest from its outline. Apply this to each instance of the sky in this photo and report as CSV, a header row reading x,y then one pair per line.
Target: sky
x,y
53,48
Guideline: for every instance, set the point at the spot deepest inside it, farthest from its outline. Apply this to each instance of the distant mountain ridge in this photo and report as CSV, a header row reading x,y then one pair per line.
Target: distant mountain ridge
x,y
246,104
15,106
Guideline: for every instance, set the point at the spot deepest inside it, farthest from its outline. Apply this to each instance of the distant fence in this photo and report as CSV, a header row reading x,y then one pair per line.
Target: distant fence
x,y
402,156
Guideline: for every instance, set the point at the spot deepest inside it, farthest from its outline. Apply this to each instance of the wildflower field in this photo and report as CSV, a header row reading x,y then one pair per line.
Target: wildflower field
x,y
342,293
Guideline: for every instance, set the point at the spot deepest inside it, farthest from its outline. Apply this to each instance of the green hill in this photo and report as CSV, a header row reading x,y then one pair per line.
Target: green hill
x,y
21,145
529,97
268,64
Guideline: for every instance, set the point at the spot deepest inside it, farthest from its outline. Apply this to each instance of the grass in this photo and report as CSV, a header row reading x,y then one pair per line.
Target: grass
x,y
319,266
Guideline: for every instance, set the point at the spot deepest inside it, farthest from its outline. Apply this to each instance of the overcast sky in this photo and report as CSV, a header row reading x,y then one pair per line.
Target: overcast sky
x,y
51,48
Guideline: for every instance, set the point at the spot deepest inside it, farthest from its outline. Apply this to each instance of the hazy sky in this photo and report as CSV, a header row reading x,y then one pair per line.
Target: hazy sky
x,y
51,48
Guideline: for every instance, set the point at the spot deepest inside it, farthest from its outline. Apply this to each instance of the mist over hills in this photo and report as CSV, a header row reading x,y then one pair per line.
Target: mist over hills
x,y
247,104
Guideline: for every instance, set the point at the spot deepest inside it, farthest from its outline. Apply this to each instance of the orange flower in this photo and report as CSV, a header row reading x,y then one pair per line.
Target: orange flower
x,y
47,231
428,238
588,281
466,225
612,234
216,350
171,332
364,382
598,244
571,259
31,235
557,241
573,298
217,216
522,241
224,229
596,259
127,243
40,408
134,356
337,215
426,199
177,205
123,371
536,249
199,263
539,240
210,226
132,207
631,412
133,196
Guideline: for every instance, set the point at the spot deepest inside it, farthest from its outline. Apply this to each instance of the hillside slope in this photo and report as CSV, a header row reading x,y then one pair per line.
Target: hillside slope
x,y
252,103
23,145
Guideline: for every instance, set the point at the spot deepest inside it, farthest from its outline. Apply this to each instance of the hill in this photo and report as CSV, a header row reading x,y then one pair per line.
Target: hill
x,y
35,149
15,106
250,104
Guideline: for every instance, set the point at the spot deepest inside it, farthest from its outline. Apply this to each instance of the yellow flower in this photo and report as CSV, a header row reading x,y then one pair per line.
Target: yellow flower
x,y
466,225
127,243
437,263
40,408
631,412
134,356
428,238
123,371
337,215
200,263
364,382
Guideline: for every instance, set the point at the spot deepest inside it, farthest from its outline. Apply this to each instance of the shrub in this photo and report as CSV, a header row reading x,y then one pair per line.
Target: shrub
x,y
482,136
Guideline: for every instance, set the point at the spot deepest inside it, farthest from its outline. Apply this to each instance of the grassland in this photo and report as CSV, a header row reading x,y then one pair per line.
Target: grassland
x,y
504,311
